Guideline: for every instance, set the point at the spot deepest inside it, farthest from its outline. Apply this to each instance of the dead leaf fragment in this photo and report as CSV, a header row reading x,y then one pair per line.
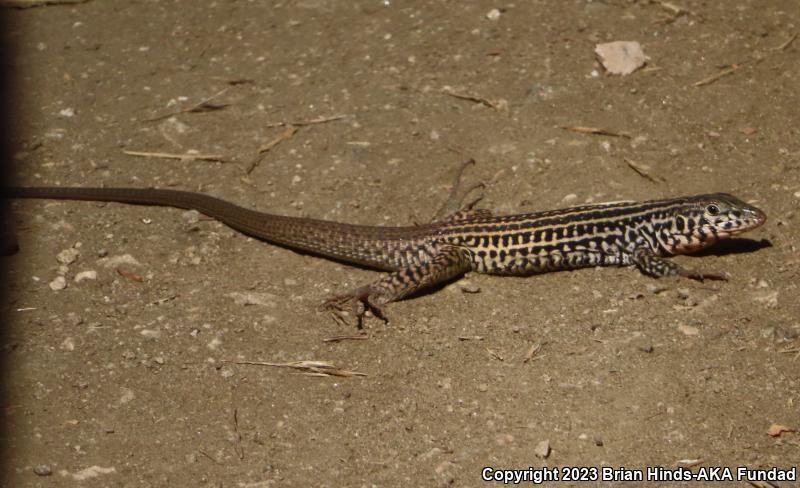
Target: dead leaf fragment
x,y
595,131
777,429
621,57
130,275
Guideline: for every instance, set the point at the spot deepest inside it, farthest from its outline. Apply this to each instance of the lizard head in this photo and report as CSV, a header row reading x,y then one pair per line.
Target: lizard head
x,y
702,220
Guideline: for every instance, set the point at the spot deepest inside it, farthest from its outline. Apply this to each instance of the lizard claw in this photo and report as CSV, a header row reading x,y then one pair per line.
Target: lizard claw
x,y
356,303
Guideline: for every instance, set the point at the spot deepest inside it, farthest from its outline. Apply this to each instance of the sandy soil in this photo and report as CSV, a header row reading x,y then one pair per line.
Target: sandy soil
x,y
127,377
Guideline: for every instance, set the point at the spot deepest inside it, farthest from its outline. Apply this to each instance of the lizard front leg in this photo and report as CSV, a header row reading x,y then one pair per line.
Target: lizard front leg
x,y
448,262
652,265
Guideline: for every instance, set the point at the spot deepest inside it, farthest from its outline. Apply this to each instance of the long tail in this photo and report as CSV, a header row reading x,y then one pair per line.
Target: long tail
x,y
335,240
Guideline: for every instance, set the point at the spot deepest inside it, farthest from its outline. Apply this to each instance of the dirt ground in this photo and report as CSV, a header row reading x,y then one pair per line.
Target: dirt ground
x,y
130,379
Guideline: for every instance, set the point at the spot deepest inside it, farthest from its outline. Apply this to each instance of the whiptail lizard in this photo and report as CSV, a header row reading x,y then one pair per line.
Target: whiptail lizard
x,y
418,257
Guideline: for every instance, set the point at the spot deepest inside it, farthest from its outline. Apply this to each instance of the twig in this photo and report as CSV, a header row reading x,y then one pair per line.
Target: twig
x,y
234,81
291,129
182,157
595,131
497,105
494,354
640,170
756,60
532,351
313,368
787,43
455,198
318,120
238,447
721,74
287,134
303,123
202,106
360,337
209,457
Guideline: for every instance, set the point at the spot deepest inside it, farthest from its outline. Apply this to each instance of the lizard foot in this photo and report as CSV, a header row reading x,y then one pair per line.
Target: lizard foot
x,y
355,303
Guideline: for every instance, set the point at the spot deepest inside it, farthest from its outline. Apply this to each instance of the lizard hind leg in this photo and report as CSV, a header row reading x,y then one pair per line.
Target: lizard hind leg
x,y
448,262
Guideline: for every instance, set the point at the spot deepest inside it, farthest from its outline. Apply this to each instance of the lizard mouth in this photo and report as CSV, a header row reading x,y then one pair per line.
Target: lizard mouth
x,y
708,235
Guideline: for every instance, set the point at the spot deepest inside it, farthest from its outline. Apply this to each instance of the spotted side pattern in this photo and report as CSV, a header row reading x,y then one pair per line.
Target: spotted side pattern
x,y
610,234
599,235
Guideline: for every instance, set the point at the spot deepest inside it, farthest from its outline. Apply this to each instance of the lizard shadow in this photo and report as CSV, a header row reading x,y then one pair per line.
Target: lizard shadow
x,y
734,245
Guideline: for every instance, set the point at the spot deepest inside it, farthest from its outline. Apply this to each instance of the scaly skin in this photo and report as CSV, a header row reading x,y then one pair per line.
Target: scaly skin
x,y
418,257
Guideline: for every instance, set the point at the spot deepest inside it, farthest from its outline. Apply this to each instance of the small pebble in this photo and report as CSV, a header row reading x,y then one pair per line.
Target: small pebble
x,y
598,442
470,288
74,319
191,216
542,450
569,198
68,344
683,293
150,334
42,470
59,283
68,256
86,275
688,330
493,14
655,289
643,345
768,299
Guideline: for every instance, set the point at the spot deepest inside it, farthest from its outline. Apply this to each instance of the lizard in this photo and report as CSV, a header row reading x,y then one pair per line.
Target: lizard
x,y
417,257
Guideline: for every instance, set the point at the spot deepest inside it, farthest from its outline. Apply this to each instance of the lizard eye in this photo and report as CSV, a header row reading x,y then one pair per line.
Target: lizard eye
x,y
712,209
